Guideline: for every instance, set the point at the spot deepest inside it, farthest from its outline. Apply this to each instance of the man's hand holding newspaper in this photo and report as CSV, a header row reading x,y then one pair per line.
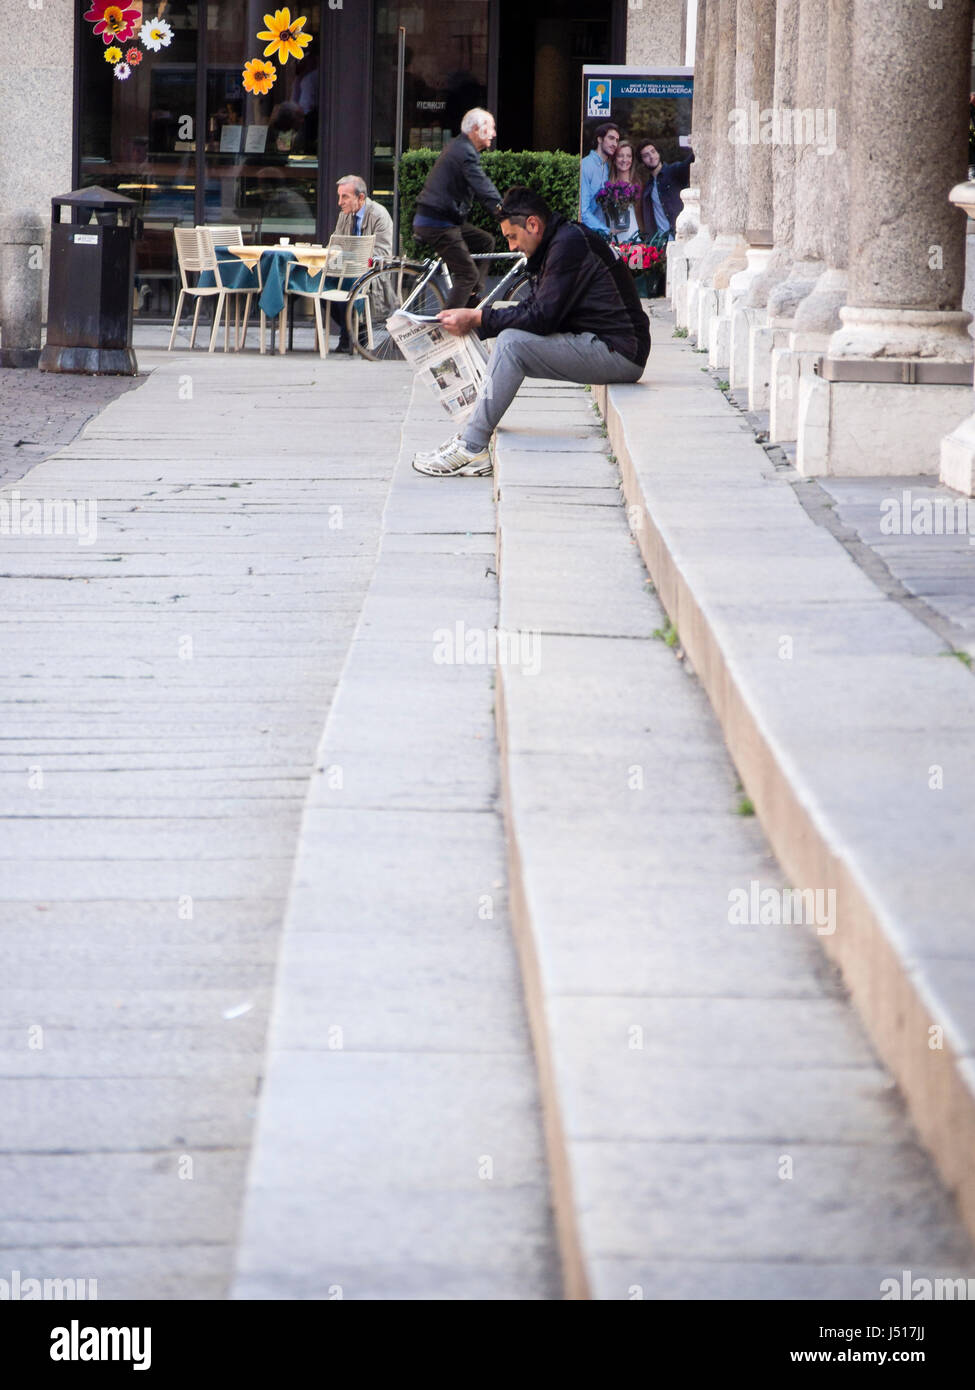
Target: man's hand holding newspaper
x,y
460,322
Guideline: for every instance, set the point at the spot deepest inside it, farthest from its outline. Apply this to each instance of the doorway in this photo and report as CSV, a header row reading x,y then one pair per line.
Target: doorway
x,y
542,46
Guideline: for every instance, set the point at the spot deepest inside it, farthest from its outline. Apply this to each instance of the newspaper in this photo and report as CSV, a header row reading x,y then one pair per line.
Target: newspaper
x,y
452,367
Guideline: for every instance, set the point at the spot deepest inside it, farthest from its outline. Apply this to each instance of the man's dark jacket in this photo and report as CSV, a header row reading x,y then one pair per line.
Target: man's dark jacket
x,y
670,181
454,182
579,285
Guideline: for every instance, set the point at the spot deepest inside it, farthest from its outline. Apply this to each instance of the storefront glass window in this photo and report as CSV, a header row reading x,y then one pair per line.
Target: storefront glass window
x,y
261,150
446,74
137,135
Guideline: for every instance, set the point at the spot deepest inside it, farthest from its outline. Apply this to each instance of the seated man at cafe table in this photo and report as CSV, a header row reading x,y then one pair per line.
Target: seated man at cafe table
x,y
583,321
359,215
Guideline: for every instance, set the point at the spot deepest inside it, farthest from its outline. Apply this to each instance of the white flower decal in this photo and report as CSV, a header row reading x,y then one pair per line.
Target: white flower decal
x,y
122,71
156,34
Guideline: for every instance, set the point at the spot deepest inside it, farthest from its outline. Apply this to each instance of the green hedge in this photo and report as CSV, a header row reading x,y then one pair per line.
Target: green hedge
x,y
553,174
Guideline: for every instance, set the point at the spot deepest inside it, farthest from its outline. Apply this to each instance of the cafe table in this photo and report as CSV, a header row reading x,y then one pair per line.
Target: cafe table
x,y
273,261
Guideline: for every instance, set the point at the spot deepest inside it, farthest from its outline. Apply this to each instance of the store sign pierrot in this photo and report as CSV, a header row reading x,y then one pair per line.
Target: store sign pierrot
x,y
117,24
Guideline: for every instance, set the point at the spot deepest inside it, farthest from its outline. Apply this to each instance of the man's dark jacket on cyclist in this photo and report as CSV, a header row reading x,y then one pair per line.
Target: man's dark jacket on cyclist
x,y
440,218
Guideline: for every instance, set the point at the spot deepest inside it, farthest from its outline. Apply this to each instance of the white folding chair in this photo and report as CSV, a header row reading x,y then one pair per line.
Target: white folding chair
x,y
192,260
330,287
210,239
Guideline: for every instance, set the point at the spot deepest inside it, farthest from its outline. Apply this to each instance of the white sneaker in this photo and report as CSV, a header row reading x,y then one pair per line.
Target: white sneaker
x,y
454,458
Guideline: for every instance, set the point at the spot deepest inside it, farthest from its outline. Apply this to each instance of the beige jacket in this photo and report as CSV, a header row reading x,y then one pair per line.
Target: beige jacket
x,y
375,221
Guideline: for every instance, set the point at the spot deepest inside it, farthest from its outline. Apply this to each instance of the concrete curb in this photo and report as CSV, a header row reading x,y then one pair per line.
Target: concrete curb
x,y
574,1278
908,964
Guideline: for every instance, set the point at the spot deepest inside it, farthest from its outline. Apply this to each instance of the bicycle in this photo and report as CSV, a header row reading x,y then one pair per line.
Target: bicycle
x,y
415,286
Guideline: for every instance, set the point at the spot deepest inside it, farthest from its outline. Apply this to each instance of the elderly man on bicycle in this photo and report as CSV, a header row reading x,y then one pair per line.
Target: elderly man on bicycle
x,y
440,219
583,321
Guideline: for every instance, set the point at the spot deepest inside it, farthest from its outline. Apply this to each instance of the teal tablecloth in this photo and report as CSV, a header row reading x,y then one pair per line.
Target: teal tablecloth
x,y
237,276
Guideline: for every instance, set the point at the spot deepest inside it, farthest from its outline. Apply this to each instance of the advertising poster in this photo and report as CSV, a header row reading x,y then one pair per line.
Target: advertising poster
x,y
648,104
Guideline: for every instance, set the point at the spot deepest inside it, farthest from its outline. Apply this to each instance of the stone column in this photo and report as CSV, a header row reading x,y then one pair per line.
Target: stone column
x,y
783,207
656,32
22,236
702,142
896,368
958,448
818,316
814,139
692,236
727,255
36,90
754,85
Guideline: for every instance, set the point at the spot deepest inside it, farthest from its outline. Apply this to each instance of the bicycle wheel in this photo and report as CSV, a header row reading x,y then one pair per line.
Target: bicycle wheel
x,y
386,289
514,293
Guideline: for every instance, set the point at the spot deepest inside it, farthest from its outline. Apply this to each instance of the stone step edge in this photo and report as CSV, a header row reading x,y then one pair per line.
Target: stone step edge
x,y
888,999
574,1276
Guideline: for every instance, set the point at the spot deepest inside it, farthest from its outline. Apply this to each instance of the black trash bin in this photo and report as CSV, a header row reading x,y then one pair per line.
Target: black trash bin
x,y
89,303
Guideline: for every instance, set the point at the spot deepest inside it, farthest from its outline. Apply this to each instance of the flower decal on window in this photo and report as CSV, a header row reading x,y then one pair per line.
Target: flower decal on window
x,y
112,22
113,55
134,57
259,76
156,34
285,35
123,72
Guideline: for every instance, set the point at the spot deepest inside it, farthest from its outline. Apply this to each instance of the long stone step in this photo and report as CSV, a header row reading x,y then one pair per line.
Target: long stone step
x,y
851,726
718,1123
399,1151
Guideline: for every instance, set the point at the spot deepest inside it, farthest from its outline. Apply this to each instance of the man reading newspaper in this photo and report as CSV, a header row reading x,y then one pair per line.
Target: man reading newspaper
x,y
582,322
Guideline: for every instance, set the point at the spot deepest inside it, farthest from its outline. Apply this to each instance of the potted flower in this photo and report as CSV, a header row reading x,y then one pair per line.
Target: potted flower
x,y
616,198
647,264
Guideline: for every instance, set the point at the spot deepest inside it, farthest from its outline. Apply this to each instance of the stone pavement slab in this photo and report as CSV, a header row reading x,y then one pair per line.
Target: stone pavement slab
x,y
163,692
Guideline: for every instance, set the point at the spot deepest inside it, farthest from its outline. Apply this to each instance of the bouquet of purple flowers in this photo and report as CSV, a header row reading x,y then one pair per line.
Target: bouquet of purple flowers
x,y
615,197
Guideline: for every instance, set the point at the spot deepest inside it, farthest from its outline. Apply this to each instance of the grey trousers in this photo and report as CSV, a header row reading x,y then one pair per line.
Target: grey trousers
x,y
580,357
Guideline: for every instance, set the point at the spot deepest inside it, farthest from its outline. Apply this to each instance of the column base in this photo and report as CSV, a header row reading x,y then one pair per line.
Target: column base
x,y
723,249
860,429
761,341
707,312
789,365
722,346
685,296
958,458
743,320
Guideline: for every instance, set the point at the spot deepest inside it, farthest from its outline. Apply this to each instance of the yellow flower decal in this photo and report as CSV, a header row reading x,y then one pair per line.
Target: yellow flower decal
x,y
259,76
286,38
113,55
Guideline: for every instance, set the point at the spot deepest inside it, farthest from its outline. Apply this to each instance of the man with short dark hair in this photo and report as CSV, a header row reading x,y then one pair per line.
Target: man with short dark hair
x,y
593,173
440,219
661,196
583,322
